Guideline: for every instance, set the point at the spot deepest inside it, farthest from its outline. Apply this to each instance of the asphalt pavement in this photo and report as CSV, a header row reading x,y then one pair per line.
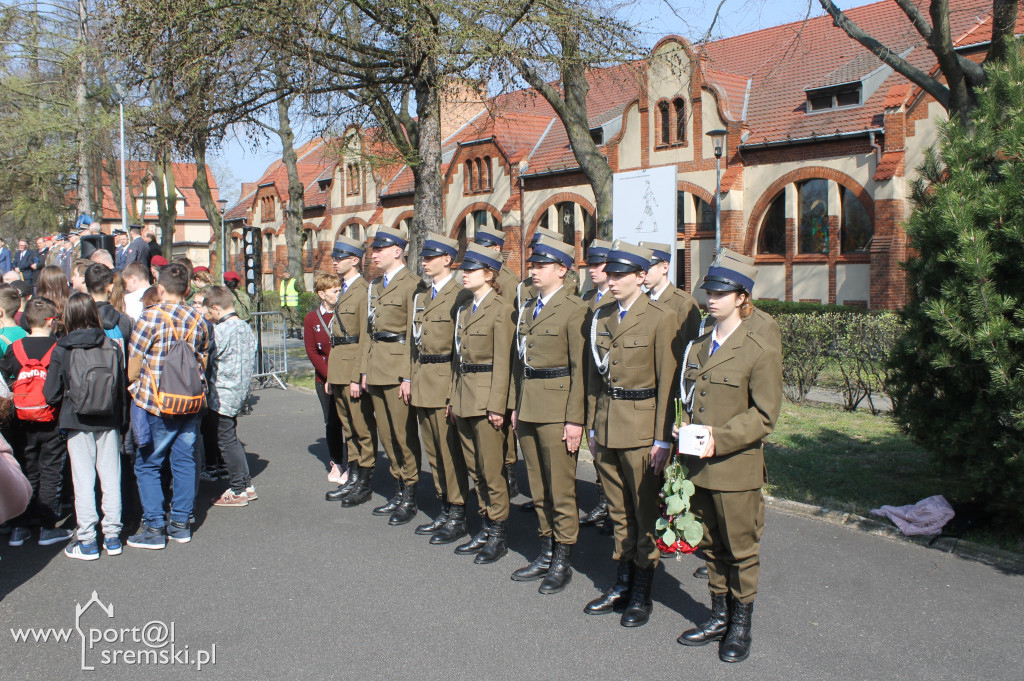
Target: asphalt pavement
x,y
294,587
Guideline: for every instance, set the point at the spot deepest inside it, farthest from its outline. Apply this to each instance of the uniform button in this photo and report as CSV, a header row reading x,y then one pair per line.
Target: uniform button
x,y
701,410
725,380
615,362
560,385
615,380
704,377
615,345
530,345
702,393
636,342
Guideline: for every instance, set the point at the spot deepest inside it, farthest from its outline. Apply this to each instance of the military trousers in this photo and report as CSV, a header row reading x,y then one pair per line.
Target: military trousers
x,y
482,448
732,523
397,428
440,441
357,422
552,472
509,443
631,487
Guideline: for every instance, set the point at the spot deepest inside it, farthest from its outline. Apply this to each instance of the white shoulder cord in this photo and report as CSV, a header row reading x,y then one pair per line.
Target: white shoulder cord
x,y
417,329
458,328
600,362
700,331
687,397
371,313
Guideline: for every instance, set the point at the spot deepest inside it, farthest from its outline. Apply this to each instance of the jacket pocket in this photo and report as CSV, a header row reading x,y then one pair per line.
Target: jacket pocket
x,y
635,353
725,387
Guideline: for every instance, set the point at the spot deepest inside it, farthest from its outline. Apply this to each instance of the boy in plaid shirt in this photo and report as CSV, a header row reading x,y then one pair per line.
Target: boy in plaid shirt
x,y
171,438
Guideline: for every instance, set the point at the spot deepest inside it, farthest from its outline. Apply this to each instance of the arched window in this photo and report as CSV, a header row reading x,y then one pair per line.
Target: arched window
x,y
486,176
567,221
812,202
665,123
680,212
771,240
855,228
479,175
679,108
469,176
308,247
704,213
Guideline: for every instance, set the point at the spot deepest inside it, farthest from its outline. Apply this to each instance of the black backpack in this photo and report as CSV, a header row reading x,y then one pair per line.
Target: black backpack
x,y
94,379
181,390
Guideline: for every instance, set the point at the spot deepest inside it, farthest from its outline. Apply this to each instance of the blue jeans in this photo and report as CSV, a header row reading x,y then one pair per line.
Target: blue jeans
x,y
173,437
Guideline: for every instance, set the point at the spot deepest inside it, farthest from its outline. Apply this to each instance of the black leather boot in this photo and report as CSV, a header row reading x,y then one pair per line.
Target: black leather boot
x,y
527,506
639,609
510,478
560,572
454,527
701,572
539,566
392,503
435,525
712,630
600,512
407,509
495,547
475,544
617,597
345,487
735,647
361,492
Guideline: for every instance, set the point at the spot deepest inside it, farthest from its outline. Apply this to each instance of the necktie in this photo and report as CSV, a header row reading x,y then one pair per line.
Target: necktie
x,y
536,311
622,314
599,294
344,288
385,281
714,346
474,307
433,294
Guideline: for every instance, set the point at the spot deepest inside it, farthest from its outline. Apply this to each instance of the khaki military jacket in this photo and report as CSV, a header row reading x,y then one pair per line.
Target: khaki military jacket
x,y
508,282
387,363
738,392
554,339
484,337
432,333
686,309
642,351
345,361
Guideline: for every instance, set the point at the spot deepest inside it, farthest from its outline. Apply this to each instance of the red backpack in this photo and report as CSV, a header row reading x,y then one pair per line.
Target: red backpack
x,y
27,390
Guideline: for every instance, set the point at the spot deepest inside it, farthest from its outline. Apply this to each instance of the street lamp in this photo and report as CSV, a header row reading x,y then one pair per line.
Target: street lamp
x,y
718,140
223,205
524,167
121,94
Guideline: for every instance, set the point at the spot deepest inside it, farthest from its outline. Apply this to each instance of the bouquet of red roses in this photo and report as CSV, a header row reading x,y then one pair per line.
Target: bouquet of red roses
x,y
677,531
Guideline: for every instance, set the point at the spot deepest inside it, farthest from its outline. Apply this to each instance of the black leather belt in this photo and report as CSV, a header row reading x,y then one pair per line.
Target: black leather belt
x,y
343,340
558,372
619,393
475,368
387,337
435,359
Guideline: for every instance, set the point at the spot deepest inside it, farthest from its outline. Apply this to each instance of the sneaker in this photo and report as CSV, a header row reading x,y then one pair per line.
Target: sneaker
x,y
112,545
54,536
250,492
148,538
335,474
19,535
179,532
207,475
229,498
82,551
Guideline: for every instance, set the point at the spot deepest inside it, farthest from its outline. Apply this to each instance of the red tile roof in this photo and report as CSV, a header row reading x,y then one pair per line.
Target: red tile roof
x,y
314,160
889,166
137,172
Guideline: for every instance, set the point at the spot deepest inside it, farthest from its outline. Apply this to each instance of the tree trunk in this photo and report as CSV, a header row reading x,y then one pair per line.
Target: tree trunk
x,y
202,187
166,201
84,189
295,207
428,210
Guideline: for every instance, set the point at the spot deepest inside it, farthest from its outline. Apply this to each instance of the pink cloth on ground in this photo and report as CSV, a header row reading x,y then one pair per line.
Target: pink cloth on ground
x,y
927,516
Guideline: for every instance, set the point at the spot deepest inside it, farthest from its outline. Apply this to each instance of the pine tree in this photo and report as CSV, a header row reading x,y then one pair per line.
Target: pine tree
x,y
959,369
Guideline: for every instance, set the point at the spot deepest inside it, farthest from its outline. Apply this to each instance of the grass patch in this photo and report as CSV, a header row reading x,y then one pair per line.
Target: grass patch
x,y
854,462
302,380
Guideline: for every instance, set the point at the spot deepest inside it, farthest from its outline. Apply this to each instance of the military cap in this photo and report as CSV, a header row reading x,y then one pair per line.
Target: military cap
x,y
478,256
347,247
598,252
547,249
625,257
726,274
389,236
200,268
436,244
118,232
660,252
232,275
541,231
135,228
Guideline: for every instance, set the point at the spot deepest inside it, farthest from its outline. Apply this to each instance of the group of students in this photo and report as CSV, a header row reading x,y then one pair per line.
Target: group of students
x,y
139,385
465,366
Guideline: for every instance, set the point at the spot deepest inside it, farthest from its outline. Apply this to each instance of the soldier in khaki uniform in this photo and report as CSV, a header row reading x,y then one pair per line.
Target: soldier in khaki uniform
x,y
733,386
550,398
507,285
387,369
432,333
596,297
355,408
479,396
634,355
660,289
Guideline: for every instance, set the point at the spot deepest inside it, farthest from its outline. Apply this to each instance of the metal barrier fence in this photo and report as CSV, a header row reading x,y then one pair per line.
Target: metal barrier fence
x,y
271,349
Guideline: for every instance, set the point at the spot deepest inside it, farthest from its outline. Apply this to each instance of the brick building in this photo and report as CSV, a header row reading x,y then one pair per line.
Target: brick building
x,y
822,143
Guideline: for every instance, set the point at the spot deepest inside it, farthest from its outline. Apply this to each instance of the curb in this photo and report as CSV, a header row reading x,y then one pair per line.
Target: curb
x,y
1007,561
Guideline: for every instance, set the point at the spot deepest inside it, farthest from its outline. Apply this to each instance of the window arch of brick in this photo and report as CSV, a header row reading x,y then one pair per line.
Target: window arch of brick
x,y
679,112
664,124
353,228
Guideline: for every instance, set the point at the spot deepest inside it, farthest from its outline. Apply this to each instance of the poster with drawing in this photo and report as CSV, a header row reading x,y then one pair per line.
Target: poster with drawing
x,y
644,207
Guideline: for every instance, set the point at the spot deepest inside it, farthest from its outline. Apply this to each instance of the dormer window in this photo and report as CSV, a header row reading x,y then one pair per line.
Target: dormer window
x,y
597,134
836,97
